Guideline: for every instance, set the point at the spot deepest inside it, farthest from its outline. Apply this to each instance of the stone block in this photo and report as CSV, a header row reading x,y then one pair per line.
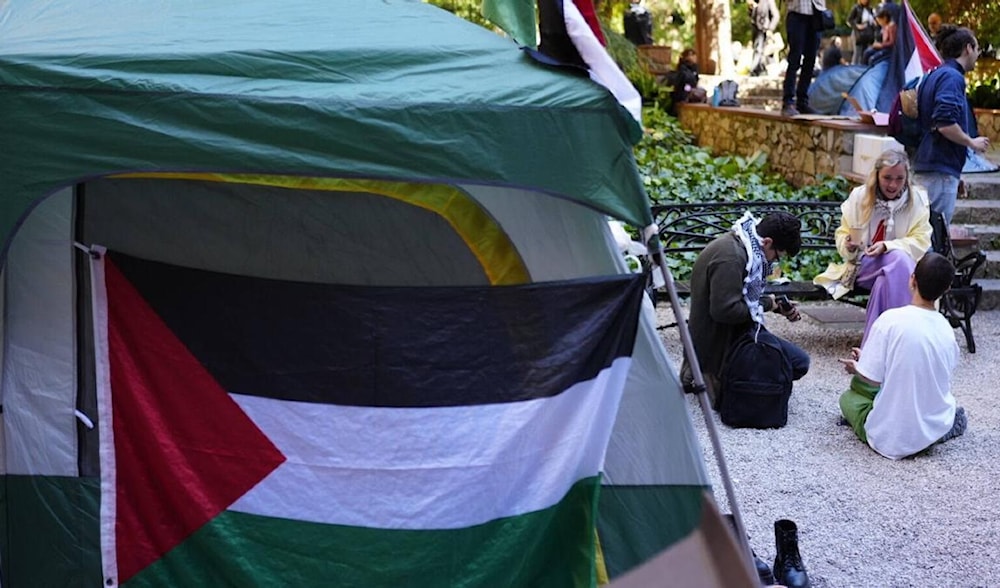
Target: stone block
x,y
867,148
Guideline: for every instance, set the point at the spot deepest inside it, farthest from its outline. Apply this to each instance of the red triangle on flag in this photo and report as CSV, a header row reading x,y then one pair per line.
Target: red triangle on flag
x,y
184,450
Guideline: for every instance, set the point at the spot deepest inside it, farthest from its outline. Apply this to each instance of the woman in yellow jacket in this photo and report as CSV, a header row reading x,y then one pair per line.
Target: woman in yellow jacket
x,y
884,230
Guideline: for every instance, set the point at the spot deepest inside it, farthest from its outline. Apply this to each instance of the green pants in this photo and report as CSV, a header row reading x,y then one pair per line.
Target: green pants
x,y
856,403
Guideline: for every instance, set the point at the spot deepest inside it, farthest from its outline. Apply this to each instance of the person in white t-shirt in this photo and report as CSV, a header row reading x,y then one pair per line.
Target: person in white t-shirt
x,y
900,400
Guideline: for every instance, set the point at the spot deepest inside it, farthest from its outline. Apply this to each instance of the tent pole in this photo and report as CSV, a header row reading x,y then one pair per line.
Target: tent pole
x,y
706,409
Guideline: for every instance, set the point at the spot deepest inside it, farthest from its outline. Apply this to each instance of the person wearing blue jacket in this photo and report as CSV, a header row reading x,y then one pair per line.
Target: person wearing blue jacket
x,y
945,119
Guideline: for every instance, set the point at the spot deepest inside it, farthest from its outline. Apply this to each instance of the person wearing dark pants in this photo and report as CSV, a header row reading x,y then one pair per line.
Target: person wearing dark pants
x,y
764,18
802,30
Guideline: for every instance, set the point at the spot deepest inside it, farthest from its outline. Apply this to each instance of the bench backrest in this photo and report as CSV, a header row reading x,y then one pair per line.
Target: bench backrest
x,y
690,227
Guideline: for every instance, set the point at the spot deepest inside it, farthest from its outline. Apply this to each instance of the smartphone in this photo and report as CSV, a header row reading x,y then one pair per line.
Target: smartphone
x,y
783,303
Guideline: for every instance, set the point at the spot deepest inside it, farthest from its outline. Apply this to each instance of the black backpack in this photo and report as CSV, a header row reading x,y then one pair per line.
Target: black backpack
x,y
756,382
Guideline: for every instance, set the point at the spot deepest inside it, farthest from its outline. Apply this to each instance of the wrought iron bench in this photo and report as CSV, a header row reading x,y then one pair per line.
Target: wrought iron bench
x,y
690,227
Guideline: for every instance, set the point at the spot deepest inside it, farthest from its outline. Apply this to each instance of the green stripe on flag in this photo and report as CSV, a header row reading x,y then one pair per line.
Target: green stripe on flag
x,y
551,547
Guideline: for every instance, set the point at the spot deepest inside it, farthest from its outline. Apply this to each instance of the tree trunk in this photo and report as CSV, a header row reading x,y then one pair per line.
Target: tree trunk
x,y
714,37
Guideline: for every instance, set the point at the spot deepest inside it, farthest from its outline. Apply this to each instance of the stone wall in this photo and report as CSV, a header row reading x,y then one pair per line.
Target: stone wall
x,y
801,150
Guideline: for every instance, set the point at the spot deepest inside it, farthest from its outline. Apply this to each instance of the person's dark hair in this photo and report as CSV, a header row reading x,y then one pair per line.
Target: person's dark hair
x,y
784,229
687,53
951,41
934,273
886,14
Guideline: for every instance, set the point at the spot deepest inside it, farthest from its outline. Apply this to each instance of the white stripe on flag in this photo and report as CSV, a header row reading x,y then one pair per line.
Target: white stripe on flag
x,y
603,69
913,67
431,468
106,443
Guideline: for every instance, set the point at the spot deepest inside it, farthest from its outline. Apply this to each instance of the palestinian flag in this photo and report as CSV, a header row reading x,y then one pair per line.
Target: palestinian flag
x,y
571,36
913,55
275,433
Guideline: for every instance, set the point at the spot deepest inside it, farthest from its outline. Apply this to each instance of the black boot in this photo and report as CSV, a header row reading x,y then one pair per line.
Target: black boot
x,y
763,571
788,567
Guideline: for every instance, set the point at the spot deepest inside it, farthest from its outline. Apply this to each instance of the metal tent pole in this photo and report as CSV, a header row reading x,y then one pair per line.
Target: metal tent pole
x,y
706,408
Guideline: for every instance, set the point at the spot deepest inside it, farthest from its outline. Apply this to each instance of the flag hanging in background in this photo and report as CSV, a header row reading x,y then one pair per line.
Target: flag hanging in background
x,y
517,19
266,432
570,35
913,55
589,13
569,39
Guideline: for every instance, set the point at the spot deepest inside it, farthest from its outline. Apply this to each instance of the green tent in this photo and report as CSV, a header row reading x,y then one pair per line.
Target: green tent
x,y
375,144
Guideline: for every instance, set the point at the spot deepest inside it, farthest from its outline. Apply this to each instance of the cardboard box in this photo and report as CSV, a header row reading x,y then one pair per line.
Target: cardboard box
x,y
867,148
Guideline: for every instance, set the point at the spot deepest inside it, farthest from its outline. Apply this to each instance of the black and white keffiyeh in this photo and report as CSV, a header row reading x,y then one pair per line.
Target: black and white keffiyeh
x,y
758,267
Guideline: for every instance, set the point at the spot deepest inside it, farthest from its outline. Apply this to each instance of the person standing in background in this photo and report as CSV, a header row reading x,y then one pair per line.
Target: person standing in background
x,y
862,22
764,18
803,25
934,26
944,118
638,24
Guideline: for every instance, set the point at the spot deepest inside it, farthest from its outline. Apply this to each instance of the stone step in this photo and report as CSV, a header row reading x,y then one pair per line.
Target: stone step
x,y
977,212
991,269
983,186
987,236
990,299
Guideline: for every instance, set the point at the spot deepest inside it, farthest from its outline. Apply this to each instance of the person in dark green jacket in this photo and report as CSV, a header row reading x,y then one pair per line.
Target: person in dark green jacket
x,y
727,292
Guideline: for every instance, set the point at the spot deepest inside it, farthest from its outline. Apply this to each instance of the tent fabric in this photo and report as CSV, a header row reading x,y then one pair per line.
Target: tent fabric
x,y
404,108
365,144
709,557
865,88
653,473
826,91
39,370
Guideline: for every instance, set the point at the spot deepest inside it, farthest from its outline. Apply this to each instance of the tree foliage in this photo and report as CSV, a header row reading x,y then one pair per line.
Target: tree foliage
x,y
674,20
470,10
982,16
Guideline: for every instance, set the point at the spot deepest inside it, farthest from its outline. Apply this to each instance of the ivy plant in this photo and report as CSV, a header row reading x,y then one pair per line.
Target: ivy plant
x,y
674,170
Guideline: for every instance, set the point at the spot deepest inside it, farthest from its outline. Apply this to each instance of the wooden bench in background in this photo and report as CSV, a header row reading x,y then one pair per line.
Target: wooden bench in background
x,y
690,227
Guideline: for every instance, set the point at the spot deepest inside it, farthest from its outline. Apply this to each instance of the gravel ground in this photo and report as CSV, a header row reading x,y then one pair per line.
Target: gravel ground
x,y
864,520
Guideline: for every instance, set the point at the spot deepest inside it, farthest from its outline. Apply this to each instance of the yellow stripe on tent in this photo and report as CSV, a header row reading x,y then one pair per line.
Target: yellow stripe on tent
x,y
485,238
601,566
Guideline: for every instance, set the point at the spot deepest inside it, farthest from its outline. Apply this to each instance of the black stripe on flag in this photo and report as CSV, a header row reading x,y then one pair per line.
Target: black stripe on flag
x,y
392,346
